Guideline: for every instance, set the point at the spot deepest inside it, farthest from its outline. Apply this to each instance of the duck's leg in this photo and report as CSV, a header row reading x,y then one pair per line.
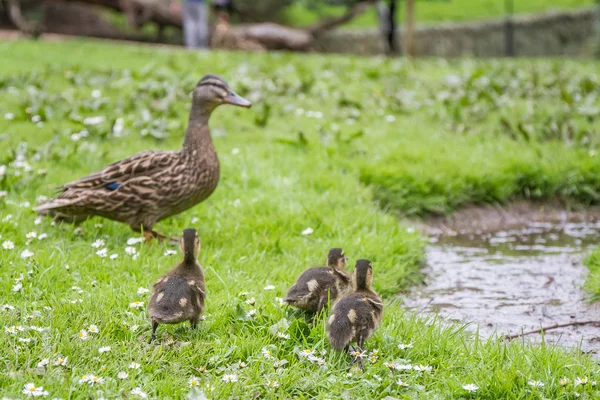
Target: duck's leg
x,y
322,302
154,326
360,342
193,323
149,235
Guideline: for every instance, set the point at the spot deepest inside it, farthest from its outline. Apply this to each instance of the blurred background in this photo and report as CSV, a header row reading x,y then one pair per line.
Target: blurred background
x,y
444,28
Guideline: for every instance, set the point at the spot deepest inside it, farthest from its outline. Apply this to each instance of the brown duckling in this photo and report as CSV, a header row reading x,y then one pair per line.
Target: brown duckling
x,y
355,316
313,288
179,295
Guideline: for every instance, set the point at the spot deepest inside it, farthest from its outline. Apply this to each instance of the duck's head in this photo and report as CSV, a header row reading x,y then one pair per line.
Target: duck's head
x,y
363,274
212,91
336,258
190,245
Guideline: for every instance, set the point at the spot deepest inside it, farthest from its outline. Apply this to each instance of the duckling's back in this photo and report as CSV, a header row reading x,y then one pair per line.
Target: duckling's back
x,y
312,284
353,316
178,296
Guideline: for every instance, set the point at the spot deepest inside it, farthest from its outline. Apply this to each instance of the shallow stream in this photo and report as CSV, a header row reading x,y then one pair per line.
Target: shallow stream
x,y
512,281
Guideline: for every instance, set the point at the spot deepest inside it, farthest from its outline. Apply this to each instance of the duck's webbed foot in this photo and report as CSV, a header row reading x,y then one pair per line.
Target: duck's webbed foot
x,y
149,235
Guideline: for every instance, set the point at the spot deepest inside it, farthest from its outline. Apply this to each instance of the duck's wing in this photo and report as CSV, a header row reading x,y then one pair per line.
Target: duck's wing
x,y
139,168
111,177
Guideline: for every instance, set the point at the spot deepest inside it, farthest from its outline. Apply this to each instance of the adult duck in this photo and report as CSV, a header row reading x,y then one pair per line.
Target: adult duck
x,y
153,185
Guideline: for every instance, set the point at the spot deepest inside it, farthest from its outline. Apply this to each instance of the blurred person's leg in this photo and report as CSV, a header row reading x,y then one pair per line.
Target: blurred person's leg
x,y
203,24
190,18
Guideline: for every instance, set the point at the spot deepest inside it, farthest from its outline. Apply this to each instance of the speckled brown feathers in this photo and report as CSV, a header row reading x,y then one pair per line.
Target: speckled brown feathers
x,y
355,316
180,294
317,285
150,186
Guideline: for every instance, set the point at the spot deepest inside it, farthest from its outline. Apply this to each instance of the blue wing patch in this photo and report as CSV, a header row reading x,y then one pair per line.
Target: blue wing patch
x,y
113,186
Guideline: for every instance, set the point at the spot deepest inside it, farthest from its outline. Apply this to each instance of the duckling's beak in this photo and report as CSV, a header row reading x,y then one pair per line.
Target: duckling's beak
x,y
236,100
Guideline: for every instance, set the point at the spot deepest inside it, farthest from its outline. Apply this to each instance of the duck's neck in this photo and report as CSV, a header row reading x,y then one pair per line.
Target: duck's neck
x,y
197,135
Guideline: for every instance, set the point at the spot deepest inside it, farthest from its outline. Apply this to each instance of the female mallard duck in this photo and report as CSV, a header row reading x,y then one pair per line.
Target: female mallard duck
x,y
316,285
153,185
355,316
179,295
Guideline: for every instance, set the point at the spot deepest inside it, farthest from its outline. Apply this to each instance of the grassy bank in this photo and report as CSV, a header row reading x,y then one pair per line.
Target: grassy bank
x,y
321,128
437,11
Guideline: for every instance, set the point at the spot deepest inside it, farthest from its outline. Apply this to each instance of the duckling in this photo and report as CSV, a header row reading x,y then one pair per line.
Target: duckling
x,y
179,295
315,285
355,316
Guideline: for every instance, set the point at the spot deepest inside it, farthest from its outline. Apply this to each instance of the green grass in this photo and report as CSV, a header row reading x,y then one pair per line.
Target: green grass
x,y
592,283
436,11
301,159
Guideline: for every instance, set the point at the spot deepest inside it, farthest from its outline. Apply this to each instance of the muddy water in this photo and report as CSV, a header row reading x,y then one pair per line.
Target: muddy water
x,y
513,281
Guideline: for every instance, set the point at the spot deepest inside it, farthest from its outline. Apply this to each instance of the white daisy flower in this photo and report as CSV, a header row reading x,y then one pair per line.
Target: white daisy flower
x,y
422,368
581,381
282,335
7,307
358,354
84,379
136,304
139,393
400,382
122,375
82,334
32,391
42,236
272,384
93,329
142,291
61,361
403,367
251,313
17,287
102,252
134,240
9,116
113,256
403,346
308,231
235,151
43,363
11,330
305,353
134,328
390,118
130,250
96,93
470,387
26,253
8,245
104,349
93,120
266,353
170,252
563,382
536,384
31,235
134,365
229,378
269,287
98,243
251,301
37,221
194,382
95,380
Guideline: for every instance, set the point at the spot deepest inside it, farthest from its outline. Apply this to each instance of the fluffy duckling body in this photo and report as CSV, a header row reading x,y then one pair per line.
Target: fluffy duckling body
x,y
316,285
179,295
357,315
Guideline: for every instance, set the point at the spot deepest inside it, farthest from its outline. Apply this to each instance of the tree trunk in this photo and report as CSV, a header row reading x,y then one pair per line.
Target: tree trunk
x,y
409,40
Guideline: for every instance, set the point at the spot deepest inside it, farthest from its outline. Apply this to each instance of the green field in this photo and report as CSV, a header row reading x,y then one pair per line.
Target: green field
x,y
431,11
332,143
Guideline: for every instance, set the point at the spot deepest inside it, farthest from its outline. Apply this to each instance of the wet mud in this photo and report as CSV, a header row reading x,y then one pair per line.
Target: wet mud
x,y
514,280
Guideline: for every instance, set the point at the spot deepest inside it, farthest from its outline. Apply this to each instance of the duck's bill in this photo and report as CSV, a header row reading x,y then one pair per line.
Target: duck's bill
x,y
237,100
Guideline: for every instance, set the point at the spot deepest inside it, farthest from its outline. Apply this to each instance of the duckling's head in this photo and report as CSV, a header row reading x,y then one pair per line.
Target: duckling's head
x,y
190,245
212,91
363,274
336,258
